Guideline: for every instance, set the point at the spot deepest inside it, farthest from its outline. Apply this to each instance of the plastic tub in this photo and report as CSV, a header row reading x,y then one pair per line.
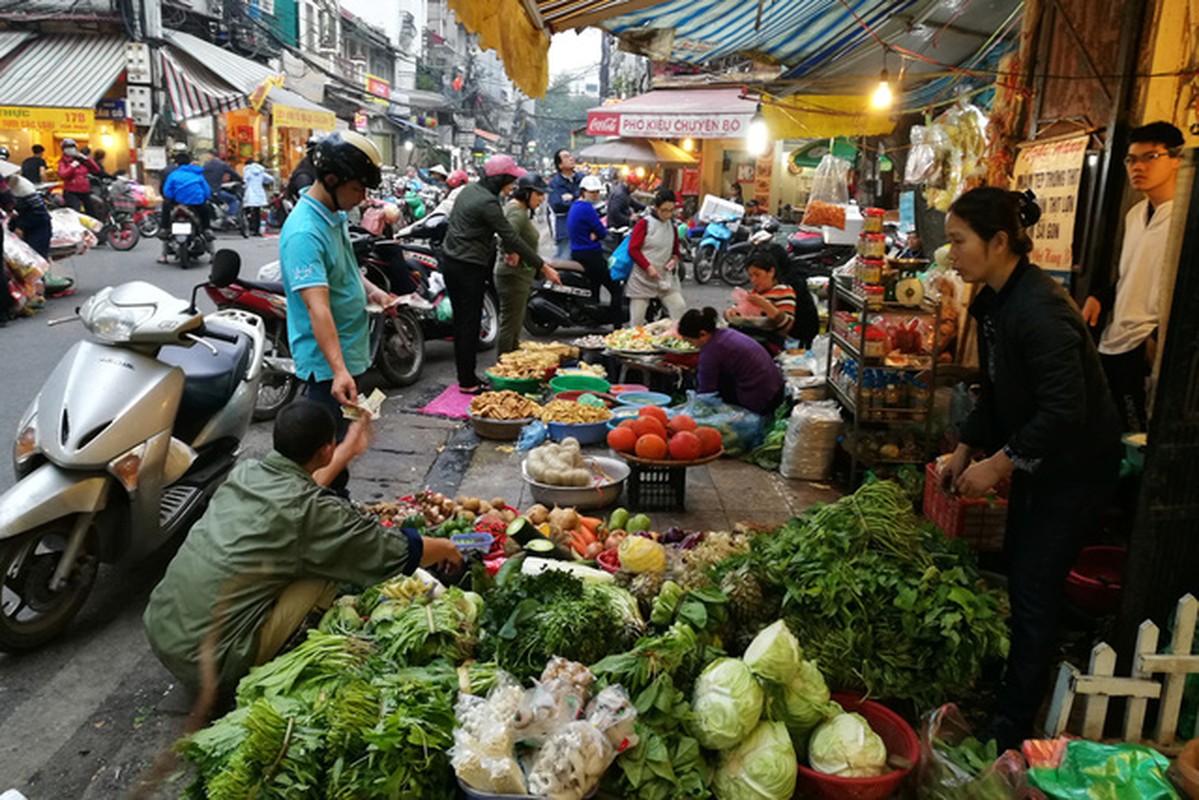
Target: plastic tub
x,y
584,432
574,394
622,388
519,385
584,383
1095,582
897,735
643,399
621,413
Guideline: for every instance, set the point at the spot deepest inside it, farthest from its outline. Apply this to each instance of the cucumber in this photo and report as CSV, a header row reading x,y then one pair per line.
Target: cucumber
x,y
540,546
523,531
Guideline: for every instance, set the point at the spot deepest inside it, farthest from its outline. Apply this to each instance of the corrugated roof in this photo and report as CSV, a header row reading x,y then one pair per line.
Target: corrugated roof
x,y
236,70
62,71
11,40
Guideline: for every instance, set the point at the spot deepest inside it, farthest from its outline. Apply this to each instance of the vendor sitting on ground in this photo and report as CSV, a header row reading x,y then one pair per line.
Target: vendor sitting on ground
x,y
273,545
774,300
731,364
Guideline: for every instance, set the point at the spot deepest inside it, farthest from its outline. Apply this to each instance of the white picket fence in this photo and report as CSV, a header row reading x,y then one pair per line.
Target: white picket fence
x,y
1155,676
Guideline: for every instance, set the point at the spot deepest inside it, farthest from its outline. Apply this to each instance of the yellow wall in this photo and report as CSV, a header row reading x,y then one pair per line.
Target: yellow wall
x,y
1174,39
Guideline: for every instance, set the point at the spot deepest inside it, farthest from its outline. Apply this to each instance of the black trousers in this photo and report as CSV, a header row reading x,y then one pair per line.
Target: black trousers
x,y
1049,517
595,267
254,220
465,283
1126,374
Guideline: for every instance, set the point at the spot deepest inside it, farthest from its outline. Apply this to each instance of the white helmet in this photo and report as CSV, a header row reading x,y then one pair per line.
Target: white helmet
x,y
592,183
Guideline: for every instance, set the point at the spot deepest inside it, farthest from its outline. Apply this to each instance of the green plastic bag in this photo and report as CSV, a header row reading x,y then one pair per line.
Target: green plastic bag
x,y
1093,771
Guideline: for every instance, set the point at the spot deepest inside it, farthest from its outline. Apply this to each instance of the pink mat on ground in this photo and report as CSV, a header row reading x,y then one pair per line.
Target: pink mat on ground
x,y
450,403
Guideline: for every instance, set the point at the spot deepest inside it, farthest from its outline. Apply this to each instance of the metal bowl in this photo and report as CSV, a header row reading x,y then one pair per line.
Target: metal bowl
x,y
604,492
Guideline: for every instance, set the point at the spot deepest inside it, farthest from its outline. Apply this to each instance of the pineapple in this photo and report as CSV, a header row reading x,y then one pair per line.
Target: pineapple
x,y
750,609
645,588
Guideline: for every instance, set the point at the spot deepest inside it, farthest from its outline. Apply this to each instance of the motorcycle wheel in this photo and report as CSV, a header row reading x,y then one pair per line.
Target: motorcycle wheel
x,y
123,235
537,325
489,321
243,227
149,226
185,258
705,264
30,613
401,355
732,269
276,388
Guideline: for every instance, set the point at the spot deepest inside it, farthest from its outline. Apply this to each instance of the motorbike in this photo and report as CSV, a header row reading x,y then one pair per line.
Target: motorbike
x,y
220,220
808,251
419,252
122,447
277,210
266,300
188,240
116,207
732,266
719,235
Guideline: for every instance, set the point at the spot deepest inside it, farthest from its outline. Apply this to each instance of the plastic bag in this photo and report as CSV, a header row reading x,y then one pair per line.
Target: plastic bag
x,y
571,762
483,754
532,435
952,766
374,219
741,429
1092,770
70,230
613,714
620,263
811,441
743,306
26,264
830,193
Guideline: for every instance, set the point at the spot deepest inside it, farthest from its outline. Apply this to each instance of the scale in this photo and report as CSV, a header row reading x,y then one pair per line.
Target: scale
x,y
909,290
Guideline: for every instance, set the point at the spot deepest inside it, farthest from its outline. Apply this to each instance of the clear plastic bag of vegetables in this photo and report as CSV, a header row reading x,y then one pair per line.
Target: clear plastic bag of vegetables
x,y
740,429
571,762
483,754
956,766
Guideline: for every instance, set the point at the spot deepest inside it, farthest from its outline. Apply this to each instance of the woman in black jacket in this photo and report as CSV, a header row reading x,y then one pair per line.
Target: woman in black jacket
x,y
1045,418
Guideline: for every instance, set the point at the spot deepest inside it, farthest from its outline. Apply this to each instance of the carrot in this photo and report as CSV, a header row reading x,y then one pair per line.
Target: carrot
x,y
591,523
587,536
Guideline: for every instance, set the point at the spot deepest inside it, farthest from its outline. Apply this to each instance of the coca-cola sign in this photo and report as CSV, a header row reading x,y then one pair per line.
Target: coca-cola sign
x,y
667,126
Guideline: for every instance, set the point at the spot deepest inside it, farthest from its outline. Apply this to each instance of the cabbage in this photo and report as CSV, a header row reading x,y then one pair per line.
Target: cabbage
x,y
847,747
762,767
774,654
727,703
803,702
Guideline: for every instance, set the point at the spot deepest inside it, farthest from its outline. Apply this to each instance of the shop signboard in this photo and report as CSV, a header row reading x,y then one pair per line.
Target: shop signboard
x,y
361,122
303,118
763,173
464,139
154,157
56,121
111,109
667,126
379,89
1053,171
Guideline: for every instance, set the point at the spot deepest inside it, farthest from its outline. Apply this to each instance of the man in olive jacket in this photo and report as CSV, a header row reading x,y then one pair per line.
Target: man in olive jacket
x,y
273,545
469,254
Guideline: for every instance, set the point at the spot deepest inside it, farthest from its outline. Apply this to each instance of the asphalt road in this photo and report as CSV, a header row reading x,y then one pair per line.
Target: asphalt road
x,y
93,713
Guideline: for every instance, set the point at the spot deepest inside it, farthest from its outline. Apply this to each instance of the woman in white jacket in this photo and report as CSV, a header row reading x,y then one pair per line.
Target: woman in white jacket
x,y
654,248
256,179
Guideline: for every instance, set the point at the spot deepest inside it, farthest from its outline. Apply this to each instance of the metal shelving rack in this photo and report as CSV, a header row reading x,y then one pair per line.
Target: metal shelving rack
x,y
840,347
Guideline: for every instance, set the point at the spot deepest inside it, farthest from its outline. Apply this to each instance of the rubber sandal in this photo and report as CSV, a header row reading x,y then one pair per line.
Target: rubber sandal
x,y
476,389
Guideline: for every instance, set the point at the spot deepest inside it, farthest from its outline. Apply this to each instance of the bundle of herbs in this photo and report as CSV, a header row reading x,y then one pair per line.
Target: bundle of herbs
x,y
880,598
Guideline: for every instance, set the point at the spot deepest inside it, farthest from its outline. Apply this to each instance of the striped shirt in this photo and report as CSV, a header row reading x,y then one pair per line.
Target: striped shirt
x,y
783,298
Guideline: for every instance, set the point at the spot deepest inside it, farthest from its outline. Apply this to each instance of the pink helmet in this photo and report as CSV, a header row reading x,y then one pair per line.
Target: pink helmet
x,y
456,178
502,165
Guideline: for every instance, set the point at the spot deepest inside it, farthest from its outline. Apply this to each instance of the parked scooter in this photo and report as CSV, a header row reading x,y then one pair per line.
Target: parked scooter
x,y
420,243
188,241
808,251
277,210
732,266
719,235
122,448
115,208
220,220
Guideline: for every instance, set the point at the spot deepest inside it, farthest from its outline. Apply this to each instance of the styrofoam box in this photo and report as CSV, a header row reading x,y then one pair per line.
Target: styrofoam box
x,y
853,227
714,206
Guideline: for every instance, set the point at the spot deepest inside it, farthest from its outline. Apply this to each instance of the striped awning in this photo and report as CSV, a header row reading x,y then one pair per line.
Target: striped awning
x,y
62,71
11,40
195,92
234,70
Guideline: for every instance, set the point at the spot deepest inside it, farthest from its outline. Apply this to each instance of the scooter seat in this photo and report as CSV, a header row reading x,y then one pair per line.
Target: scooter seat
x,y
208,380
567,266
802,244
271,287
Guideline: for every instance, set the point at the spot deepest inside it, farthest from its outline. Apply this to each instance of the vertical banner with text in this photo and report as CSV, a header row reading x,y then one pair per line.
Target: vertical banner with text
x,y
1053,171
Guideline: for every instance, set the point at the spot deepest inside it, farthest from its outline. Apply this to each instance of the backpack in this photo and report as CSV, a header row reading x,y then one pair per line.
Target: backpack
x,y
620,263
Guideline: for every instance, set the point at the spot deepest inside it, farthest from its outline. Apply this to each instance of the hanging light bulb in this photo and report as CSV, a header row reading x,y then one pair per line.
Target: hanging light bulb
x,y
757,136
688,144
409,144
882,97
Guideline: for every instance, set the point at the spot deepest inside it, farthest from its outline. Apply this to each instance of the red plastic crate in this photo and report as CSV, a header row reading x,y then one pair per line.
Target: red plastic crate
x,y
981,521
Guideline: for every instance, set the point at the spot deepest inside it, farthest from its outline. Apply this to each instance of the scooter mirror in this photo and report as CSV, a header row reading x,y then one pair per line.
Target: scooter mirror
x,y
226,264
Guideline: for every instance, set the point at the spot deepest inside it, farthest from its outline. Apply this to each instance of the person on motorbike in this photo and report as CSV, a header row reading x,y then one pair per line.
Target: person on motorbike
x,y
654,248
621,203
587,234
454,183
184,186
217,172
74,169
437,177
470,256
304,175
272,547
514,277
327,321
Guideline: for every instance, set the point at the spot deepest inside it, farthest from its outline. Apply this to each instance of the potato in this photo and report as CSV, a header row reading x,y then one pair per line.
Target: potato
x,y
509,515
469,516
472,504
498,502
484,507
537,514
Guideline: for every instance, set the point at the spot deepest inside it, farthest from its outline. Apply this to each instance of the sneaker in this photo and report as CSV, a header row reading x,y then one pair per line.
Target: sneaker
x,y
416,302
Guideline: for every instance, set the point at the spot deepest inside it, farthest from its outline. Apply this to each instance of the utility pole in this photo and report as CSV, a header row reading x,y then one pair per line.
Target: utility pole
x,y
605,78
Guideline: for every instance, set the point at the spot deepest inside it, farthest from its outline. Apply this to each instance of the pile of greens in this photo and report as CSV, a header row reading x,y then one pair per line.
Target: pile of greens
x,y
369,714
880,598
529,619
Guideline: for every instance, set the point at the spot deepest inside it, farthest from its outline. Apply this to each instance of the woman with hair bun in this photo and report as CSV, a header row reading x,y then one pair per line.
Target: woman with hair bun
x,y
732,364
1044,417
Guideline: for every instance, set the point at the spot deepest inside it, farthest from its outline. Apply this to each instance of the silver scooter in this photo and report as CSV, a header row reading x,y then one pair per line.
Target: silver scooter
x,y
121,449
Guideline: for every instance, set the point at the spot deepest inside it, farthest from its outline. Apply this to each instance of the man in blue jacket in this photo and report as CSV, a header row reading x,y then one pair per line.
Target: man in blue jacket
x,y
564,188
185,186
586,234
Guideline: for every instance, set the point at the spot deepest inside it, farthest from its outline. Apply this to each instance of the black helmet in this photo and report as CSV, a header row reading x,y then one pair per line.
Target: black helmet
x,y
312,143
533,181
349,156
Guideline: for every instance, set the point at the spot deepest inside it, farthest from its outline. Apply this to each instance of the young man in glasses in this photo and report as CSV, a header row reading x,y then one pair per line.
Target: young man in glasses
x,y
1127,344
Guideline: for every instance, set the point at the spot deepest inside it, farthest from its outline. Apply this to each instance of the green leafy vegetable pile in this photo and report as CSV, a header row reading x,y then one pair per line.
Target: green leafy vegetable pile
x,y
880,598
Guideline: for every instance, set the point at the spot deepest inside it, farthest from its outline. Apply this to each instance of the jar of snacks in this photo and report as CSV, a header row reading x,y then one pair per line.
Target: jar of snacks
x,y
872,220
872,245
876,343
870,270
874,296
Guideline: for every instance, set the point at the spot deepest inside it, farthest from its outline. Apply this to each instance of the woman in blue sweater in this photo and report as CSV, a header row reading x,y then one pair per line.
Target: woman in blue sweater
x,y
587,235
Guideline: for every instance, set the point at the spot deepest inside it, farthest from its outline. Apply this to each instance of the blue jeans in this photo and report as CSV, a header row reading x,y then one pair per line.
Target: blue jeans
x,y
230,201
563,251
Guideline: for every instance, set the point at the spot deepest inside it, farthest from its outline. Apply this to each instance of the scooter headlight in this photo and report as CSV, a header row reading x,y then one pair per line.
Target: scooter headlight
x,y
111,322
127,467
26,445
